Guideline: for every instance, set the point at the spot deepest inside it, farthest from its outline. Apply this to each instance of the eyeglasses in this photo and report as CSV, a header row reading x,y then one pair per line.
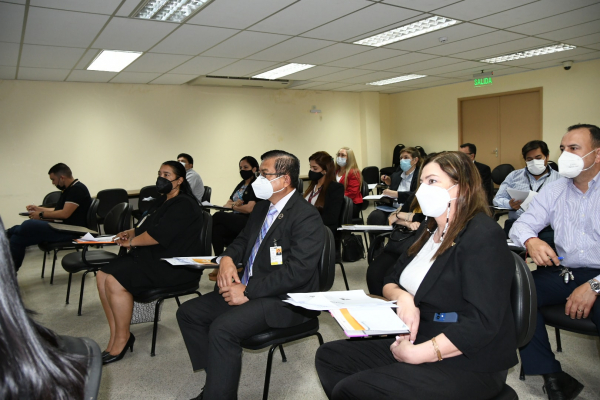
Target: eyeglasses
x,y
264,174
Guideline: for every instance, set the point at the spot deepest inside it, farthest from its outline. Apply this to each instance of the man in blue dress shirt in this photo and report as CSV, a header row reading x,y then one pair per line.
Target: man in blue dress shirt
x,y
571,206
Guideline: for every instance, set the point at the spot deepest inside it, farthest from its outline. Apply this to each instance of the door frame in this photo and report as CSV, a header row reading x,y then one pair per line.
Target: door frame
x,y
536,89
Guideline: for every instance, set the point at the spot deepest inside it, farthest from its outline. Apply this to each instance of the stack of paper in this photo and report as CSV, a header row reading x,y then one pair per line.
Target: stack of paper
x,y
377,197
88,238
199,261
366,228
322,301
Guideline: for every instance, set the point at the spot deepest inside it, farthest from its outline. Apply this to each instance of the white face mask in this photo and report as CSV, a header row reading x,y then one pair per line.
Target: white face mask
x,y
434,200
341,162
536,167
263,188
182,163
571,165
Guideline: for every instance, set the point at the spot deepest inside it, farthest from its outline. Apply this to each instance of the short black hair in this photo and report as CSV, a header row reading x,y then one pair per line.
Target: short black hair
x,y
535,144
286,164
189,158
61,169
594,131
471,146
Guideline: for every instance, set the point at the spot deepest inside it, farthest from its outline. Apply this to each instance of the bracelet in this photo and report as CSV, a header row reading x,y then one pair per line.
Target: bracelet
x,y
525,244
130,245
436,349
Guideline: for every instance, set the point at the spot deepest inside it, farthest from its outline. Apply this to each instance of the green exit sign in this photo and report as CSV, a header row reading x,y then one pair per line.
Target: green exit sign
x,y
479,82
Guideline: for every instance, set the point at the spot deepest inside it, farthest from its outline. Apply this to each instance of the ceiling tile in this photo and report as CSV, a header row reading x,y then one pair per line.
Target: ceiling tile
x,y
312,73
442,82
358,88
366,58
132,34
308,14
49,56
563,55
453,33
372,77
90,76
11,22
419,81
361,22
470,71
532,12
503,48
7,72
173,79
510,71
161,63
331,53
134,77
560,21
471,9
244,44
409,58
9,54
245,68
453,67
573,32
91,6
330,86
485,40
42,74
87,58
202,65
585,40
419,66
341,75
421,5
557,60
220,13
192,40
127,8
291,48
62,28
594,46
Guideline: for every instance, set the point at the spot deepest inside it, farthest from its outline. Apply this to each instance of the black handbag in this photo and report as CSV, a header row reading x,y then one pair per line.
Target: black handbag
x,y
353,248
397,242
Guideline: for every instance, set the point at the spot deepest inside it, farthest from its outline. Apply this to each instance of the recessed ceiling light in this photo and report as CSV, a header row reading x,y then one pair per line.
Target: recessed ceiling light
x,y
407,31
283,71
530,53
113,60
397,79
169,10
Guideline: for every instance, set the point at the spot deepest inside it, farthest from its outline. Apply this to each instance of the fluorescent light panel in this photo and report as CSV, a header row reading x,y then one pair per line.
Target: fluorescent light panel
x,y
530,53
169,10
407,31
113,60
283,71
396,80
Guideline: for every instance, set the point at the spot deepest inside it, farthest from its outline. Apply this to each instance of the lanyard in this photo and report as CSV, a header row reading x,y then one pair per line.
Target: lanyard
x,y
314,194
538,189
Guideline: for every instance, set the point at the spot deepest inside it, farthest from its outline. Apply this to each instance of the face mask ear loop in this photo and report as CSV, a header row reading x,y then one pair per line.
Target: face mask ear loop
x,y
447,221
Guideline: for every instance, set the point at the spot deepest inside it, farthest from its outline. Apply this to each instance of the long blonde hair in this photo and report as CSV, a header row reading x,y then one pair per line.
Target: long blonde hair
x,y
351,166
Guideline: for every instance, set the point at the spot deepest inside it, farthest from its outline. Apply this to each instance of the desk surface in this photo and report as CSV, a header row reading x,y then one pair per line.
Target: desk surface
x,y
70,228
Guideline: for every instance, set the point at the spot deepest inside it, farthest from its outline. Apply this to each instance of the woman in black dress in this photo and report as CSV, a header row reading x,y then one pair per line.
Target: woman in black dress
x,y
171,229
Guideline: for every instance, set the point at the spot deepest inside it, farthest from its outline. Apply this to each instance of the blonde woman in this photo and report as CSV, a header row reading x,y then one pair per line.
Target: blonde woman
x,y
348,174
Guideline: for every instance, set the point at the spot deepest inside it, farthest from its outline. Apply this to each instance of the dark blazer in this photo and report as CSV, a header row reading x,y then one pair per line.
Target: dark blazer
x,y
248,193
298,229
334,200
397,179
486,179
473,278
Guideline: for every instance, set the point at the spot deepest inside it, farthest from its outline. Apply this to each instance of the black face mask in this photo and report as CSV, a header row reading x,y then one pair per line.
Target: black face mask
x,y
61,187
163,185
314,176
246,174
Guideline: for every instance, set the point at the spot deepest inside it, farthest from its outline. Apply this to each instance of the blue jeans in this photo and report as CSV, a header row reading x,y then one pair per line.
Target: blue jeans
x,y
537,357
33,232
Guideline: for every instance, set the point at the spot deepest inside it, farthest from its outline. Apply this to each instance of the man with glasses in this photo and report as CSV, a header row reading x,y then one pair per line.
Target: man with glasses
x,y
486,173
280,248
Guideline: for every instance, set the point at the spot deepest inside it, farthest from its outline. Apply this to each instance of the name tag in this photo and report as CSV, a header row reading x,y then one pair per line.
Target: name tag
x,y
276,255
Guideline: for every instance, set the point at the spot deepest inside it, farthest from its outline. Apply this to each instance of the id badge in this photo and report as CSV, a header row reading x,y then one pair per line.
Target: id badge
x,y
142,221
276,255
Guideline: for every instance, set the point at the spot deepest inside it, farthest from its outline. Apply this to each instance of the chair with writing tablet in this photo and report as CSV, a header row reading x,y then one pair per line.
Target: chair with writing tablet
x,y
147,196
345,219
363,206
51,199
277,337
499,174
207,194
108,199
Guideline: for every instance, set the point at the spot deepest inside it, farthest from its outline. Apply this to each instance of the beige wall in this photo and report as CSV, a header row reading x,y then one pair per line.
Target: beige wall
x,y
429,117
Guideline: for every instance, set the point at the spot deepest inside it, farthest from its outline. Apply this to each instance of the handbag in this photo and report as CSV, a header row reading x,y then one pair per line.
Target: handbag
x,y
353,248
397,242
144,312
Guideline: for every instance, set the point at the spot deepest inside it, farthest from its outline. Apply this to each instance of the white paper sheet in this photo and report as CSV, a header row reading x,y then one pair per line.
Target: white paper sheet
x,y
365,228
322,301
518,194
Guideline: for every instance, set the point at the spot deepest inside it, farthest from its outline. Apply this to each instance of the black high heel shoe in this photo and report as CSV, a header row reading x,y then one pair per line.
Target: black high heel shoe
x,y
109,358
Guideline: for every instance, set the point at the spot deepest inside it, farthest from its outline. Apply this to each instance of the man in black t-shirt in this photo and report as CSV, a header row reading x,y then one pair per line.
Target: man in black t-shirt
x,y
72,208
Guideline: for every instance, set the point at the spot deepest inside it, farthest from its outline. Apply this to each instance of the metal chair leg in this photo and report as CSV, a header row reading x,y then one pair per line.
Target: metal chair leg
x,y
177,300
44,263
268,372
320,338
155,330
53,265
344,275
522,374
558,343
366,241
69,287
283,357
81,292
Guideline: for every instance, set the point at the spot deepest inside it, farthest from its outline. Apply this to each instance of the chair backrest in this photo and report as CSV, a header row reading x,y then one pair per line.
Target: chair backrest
x,y
364,190
421,151
346,215
145,192
118,219
500,173
51,199
523,299
327,262
206,234
395,157
92,219
300,187
553,165
207,193
370,174
110,198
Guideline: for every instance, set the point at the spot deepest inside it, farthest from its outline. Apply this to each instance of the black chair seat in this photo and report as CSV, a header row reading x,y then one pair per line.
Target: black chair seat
x,y
153,294
276,336
555,317
507,393
74,263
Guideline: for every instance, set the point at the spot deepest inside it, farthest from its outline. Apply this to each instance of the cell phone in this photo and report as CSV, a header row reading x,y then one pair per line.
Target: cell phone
x,y
445,317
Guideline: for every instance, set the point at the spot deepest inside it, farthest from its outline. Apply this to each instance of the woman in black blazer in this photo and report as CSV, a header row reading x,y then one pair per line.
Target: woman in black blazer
x,y
458,265
324,192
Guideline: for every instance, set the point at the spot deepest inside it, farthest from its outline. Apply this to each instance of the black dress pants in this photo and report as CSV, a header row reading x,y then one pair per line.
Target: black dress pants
x,y
226,227
366,369
378,270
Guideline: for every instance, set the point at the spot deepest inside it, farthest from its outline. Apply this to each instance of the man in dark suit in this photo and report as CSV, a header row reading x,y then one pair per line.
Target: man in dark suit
x,y
214,325
486,173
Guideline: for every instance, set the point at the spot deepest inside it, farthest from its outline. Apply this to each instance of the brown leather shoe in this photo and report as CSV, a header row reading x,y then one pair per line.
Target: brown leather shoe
x,y
561,386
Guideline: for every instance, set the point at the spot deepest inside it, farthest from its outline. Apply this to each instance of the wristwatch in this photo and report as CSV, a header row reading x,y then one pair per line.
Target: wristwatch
x,y
41,215
246,292
595,285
